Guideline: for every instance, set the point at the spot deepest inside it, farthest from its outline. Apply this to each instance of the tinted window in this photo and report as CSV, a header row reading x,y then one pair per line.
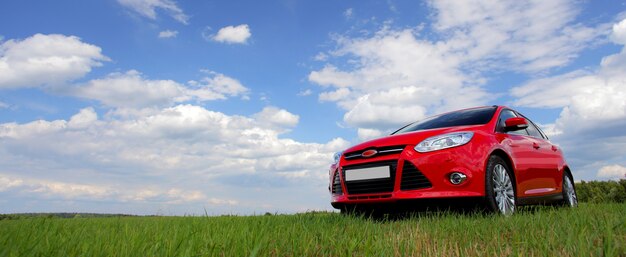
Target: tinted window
x,y
542,133
504,115
533,130
458,118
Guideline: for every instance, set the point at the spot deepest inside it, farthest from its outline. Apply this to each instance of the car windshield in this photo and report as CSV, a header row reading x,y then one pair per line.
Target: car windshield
x,y
474,116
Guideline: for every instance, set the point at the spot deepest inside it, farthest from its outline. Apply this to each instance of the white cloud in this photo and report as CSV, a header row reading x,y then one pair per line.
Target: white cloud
x,y
83,119
132,90
168,33
3,105
48,189
148,8
176,155
46,60
8,183
588,97
277,117
554,92
218,86
593,109
398,77
348,13
529,35
367,134
305,92
216,201
233,34
339,94
331,76
368,112
615,171
395,76
619,33
321,57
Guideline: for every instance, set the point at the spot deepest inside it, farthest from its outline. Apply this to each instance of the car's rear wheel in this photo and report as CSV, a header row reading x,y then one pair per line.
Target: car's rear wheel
x,y
499,187
569,192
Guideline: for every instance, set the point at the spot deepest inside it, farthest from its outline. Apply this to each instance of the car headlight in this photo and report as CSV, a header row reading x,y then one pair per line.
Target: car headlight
x,y
337,157
444,141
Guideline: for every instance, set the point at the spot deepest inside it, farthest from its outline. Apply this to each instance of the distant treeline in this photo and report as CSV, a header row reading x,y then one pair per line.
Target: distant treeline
x,y
58,215
602,191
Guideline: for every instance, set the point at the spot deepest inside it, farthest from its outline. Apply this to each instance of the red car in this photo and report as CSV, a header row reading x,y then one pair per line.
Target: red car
x,y
493,153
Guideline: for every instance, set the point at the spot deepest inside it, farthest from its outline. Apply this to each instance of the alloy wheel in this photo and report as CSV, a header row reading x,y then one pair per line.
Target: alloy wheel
x,y
503,189
570,193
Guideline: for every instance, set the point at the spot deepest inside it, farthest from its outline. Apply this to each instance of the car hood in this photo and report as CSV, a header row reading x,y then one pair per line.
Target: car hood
x,y
410,138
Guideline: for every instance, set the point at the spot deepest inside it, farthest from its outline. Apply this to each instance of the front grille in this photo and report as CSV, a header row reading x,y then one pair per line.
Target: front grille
x,y
337,184
385,150
412,178
370,186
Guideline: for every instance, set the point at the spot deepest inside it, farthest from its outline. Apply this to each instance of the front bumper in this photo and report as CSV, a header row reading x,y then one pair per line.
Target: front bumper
x,y
434,166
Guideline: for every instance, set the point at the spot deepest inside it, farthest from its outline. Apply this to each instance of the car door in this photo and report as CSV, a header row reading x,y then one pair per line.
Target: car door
x,y
545,176
521,147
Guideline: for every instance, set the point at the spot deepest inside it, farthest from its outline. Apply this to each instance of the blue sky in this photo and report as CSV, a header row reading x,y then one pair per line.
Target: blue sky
x,y
171,107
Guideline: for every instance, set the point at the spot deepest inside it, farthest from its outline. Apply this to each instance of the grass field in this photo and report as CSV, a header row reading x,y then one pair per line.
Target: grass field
x,y
590,230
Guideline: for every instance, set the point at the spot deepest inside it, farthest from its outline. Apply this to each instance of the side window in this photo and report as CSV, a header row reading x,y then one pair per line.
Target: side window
x,y
504,115
534,131
543,133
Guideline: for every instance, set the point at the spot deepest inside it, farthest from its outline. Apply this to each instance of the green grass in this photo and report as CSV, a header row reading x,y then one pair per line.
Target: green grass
x,y
590,230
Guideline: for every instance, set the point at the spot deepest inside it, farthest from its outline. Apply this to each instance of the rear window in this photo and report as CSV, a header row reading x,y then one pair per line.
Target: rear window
x,y
474,116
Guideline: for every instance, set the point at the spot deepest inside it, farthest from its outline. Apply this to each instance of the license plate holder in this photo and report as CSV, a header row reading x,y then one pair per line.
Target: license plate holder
x,y
378,172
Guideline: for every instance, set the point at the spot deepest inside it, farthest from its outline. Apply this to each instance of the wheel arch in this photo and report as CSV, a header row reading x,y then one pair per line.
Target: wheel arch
x,y
568,172
509,162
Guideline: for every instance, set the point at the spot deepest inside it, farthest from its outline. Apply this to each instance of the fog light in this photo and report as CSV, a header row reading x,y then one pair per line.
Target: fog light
x,y
457,178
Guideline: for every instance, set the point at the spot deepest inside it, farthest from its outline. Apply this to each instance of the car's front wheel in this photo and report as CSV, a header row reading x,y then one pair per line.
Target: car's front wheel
x,y
499,187
569,192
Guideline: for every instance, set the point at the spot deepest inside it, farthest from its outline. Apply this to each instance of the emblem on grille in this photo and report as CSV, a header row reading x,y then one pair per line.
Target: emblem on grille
x,y
369,153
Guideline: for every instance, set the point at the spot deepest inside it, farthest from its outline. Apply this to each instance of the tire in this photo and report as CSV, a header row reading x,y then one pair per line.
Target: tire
x,y
500,195
570,199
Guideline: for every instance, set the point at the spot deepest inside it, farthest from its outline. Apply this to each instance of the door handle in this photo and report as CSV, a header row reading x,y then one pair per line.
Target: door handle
x,y
536,146
554,148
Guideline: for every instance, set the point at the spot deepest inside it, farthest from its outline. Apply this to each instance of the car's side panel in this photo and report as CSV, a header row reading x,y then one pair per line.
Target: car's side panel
x,y
562,166
544,177
524,156
532,180
536,163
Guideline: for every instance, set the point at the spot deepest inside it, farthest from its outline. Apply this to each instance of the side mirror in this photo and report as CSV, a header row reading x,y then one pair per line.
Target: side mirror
x,y
515,123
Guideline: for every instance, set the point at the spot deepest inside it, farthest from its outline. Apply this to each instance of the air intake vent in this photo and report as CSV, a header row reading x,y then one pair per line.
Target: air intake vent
x,y
337,184
371,186
412,178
